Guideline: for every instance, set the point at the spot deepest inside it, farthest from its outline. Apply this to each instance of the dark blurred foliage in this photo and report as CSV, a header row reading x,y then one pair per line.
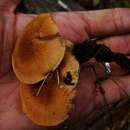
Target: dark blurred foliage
x,y
102,4
38,6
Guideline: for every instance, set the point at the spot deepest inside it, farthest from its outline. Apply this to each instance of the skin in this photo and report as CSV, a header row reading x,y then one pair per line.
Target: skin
x,y
74,26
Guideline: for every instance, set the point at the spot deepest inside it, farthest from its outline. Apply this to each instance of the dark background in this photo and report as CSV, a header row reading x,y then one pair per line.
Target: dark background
x,y
38,6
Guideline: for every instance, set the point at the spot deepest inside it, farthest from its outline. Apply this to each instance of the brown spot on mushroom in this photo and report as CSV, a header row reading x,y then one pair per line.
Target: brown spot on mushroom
x,y
68,79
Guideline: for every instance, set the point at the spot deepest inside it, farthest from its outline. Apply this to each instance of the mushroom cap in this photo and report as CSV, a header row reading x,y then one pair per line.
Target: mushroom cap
x,y
54,103
38,51
50,107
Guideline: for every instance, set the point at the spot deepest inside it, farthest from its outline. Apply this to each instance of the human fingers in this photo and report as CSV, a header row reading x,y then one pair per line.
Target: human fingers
x,y
78,26
91,95
119,43
115,89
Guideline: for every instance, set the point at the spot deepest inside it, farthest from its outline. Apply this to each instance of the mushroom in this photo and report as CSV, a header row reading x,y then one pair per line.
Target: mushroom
x,y
38,51
69,69
54,103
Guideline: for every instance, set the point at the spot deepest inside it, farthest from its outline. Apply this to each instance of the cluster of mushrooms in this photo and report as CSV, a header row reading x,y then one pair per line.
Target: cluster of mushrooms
x,y
47,70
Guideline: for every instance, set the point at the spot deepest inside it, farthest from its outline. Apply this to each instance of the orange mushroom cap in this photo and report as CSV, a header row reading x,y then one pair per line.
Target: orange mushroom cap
x,y
38,51
54,103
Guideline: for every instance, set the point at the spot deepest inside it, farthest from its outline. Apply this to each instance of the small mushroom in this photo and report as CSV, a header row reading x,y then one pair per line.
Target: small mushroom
x,y
69,69
38,51
54,103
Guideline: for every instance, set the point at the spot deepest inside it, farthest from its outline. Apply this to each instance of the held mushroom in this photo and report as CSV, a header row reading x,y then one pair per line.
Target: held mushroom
x,y
38,51
54,103
41,51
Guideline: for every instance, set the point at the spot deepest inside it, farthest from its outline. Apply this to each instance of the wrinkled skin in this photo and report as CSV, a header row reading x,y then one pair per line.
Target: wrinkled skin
x,y
76,27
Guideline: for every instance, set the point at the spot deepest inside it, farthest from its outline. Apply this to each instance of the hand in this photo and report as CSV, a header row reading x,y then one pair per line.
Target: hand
x,y
76,26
